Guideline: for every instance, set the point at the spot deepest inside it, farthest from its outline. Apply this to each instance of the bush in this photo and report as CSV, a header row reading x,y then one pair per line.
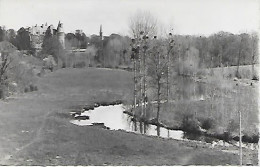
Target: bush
x,y
63,65
232,126
190,124
31,88
255,138
80,65
207,123
26,89
227,136
255,77
1,94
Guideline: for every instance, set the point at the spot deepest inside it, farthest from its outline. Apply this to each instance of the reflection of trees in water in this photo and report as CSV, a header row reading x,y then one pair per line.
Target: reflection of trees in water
x,y
137,126
158,130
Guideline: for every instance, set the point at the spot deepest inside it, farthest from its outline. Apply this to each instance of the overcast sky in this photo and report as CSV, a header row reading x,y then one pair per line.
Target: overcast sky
x,y
186,16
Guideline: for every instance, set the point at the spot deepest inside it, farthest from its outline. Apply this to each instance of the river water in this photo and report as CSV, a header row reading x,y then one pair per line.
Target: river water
x,y
113,118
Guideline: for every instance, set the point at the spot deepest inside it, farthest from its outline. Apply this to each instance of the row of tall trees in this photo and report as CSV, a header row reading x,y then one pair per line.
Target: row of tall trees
x,y
159,63
21,39
76,40
221,49
149,56
52,46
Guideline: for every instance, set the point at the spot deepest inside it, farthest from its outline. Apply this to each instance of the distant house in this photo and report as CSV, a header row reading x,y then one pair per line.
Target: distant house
x,y
37,34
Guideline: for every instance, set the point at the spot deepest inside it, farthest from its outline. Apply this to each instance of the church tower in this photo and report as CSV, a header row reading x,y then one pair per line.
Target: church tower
x,y
101,55
100,32
61,34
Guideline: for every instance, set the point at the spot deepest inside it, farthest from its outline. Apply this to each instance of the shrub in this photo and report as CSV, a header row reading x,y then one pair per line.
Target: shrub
x,y
207,123
227,136
63,65
232,126
255,77
80,65
246,138
26,89
255,138
31,88
190,124
1,93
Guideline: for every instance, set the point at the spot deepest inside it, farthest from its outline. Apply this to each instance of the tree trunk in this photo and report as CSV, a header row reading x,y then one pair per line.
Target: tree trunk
x,y
158,89
158,99
135,91
144,84
141,84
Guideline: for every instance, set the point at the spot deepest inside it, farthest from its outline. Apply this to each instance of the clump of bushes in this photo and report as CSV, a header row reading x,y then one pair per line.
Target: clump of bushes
x,y
255,77
31,88
190,124
229,132
232,126
63,65
1,93
79,65
26,89
207,123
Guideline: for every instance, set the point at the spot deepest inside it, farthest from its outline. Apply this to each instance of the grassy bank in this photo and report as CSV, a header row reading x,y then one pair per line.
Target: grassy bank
x,y
35,128
215,98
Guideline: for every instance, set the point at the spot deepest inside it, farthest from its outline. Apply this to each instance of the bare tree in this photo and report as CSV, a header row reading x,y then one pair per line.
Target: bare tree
x,y
141,25
5,61
142,22
157,70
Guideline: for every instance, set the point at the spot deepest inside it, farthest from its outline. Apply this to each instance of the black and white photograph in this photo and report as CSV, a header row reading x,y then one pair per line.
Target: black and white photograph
x,y
129,82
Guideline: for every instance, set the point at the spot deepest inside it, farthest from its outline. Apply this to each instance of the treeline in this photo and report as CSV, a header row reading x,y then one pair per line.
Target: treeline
x,y
221,49
111,51
20,39
217,50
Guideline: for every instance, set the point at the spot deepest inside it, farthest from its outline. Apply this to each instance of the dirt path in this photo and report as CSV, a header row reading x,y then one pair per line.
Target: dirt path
x,y
39,132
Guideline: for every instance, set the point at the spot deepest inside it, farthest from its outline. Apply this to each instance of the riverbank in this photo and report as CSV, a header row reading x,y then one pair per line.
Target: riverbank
x,y
36,130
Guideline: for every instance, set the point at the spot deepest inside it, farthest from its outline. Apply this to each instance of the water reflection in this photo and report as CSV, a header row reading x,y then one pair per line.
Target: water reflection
x,y
114,118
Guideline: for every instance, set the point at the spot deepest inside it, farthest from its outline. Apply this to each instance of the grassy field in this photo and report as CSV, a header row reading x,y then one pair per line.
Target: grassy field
x,y
216,97
35,128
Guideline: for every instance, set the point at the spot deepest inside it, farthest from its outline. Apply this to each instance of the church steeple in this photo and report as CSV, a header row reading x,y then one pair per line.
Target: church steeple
x,y
100,32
